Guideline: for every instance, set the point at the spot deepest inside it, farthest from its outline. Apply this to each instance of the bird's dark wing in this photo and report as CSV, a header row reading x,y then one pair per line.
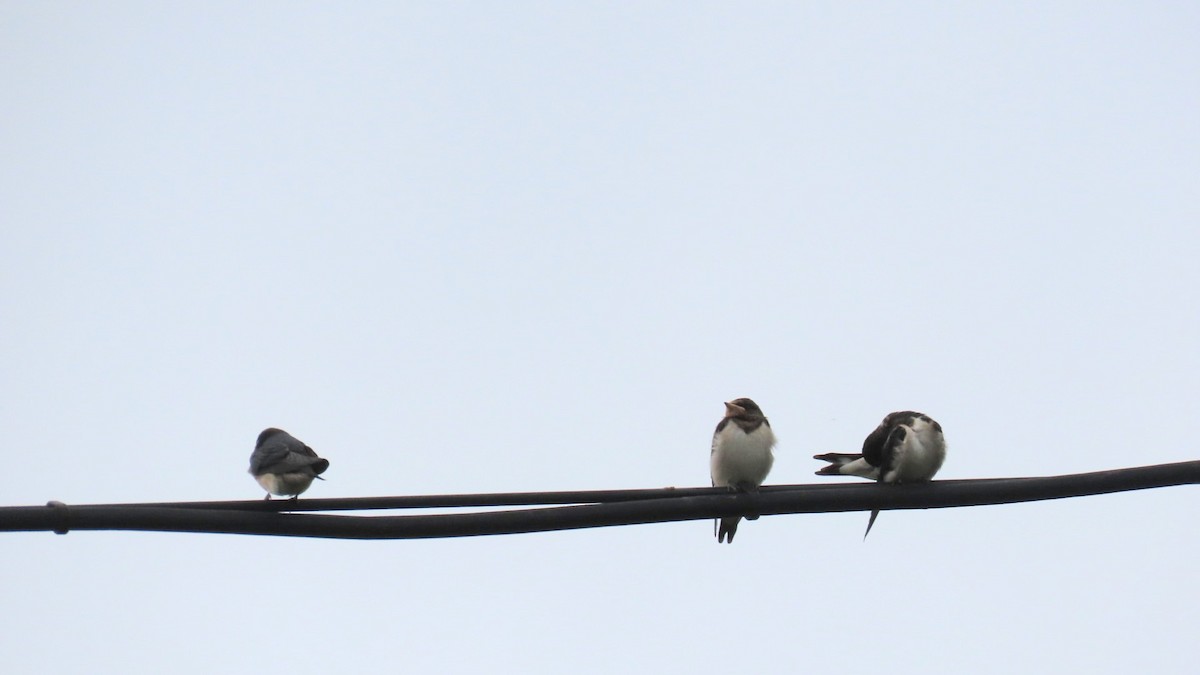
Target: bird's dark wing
x,y
877,443
872,449
895,438
285,457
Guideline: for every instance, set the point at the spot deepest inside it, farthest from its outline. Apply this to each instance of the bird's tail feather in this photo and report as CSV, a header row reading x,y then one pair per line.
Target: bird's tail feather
x,y
836,461
874,514
846,464
725,528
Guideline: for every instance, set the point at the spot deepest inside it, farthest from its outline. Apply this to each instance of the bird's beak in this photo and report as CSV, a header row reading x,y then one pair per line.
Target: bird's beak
x,y
732,410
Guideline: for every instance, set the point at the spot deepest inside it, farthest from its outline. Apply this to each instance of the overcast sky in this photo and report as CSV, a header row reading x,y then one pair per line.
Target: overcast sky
x,y
476,247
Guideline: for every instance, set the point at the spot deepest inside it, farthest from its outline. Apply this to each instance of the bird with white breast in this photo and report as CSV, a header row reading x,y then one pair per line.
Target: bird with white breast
x,y
741,456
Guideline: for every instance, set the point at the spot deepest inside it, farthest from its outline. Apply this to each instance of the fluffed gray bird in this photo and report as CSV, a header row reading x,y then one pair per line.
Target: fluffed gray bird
x,y
741,456
283,465
906,447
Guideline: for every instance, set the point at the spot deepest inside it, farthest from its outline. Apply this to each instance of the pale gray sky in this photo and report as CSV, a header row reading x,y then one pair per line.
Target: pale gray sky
x,y
463,247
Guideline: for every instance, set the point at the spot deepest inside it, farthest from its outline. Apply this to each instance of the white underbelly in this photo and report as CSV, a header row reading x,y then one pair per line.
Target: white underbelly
x,y
285,484
741,458
920,456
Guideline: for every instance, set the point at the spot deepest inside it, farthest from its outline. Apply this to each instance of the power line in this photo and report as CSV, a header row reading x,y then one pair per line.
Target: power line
x,y
603,508
464,500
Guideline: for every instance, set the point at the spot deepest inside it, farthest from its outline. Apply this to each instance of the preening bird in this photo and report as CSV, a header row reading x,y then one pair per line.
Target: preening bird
x,y
283,465
741,455
906,447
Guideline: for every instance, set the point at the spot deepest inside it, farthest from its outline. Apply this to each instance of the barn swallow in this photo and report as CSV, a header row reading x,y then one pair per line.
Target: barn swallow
x,y
283,465
741,455
906,447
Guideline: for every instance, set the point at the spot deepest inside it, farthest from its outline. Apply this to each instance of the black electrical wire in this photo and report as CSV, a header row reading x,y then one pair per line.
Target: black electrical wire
x,y
621,508
486,499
